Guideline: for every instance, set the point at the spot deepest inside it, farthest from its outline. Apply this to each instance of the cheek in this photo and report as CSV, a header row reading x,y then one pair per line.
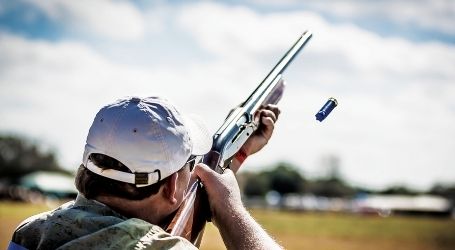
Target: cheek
x,y
184,184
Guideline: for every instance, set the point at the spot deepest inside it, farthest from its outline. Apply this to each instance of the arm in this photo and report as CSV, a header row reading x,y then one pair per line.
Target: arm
x,y
237,228
264,119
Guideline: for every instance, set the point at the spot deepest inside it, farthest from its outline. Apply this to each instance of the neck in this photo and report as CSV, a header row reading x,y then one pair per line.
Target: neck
x,y
147,209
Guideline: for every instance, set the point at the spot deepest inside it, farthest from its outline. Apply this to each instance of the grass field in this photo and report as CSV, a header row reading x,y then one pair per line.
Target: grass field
x,y
306,230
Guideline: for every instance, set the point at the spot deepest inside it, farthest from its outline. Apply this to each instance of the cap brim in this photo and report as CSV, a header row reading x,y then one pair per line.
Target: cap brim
x,y
199,134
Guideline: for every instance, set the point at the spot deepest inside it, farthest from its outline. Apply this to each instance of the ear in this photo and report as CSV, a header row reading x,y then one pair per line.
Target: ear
x,y
170,188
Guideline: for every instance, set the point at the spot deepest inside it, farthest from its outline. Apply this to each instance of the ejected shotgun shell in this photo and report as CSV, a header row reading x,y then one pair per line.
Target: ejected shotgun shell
x,y
326,109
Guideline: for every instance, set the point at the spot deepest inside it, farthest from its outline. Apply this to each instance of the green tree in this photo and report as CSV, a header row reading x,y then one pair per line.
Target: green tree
x,y
256,184
400,190
285,179
445,190
19,156
333,187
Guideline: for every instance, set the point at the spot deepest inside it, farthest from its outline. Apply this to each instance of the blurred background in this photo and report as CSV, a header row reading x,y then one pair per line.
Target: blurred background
x,y
378,172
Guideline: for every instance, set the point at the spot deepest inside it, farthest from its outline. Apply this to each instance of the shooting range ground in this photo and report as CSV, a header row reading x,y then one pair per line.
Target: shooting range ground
x,y
297,230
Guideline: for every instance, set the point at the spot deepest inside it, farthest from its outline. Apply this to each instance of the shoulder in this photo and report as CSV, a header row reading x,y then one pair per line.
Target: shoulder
x,y
130,234
29,231
43,216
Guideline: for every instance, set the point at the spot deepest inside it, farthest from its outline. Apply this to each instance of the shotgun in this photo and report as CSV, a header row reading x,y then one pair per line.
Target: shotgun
x,y
190,219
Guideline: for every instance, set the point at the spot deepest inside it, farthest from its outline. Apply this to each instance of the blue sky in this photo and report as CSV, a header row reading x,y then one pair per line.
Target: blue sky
x,y
389,63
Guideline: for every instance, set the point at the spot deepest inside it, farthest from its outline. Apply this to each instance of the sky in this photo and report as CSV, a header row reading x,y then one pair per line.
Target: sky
x,y
390,65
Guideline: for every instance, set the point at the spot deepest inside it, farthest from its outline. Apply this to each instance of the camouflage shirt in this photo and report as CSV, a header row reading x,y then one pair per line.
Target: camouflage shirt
x,y
88,224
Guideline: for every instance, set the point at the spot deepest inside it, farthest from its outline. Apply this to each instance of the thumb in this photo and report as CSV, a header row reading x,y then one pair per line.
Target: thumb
x,y
205,173
257,117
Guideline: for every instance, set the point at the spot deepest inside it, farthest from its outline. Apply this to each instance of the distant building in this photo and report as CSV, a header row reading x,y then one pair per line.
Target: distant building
x,y
383,205
386,205
52,184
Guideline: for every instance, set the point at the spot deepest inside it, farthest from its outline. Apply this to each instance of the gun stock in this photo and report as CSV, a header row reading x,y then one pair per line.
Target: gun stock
x,y
190,219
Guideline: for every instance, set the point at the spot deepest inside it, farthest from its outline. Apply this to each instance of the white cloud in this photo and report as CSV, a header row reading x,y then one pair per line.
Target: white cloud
x,y
346,47
51,91
434,15
427,14
396,108
391,92
119,20
240,31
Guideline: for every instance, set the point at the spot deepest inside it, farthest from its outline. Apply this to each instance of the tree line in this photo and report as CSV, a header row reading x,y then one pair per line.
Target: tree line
x,y
20,156
286,178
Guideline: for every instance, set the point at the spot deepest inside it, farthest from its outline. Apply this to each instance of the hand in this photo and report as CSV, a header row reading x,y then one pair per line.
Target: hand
x,y
223,193
266,118
237,228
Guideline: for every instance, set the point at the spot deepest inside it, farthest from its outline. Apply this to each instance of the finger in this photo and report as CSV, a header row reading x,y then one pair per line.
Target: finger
x,y
268,122
204,172
228,171
274,109
268,127
257,117
269,113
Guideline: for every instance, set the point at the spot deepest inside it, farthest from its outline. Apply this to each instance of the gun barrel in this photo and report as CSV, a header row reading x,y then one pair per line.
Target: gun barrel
x,y
281,65
230,129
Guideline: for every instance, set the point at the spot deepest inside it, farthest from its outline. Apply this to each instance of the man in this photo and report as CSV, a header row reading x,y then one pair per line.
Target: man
x,y
139,157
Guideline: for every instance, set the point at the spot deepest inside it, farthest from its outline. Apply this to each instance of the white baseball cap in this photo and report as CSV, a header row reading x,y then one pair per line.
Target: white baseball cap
x,y
147,135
